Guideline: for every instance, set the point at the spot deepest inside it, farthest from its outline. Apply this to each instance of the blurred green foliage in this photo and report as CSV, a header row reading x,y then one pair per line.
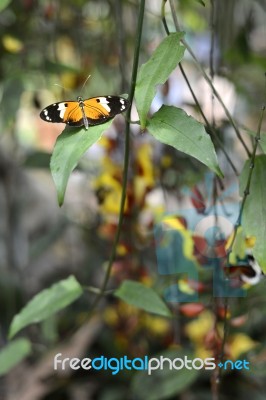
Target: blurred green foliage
x,y
44,43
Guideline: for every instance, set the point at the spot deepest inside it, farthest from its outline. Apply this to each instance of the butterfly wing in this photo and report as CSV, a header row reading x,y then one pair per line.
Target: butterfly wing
x,y
99,110
68,112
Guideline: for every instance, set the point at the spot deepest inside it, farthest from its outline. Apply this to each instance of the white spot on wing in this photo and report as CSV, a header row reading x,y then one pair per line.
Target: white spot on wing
x,y
104,103
122,101
61,108
45,112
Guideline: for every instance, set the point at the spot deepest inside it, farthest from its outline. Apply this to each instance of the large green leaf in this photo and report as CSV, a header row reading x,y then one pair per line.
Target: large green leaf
x,y
172,126
69,148
46,303
4,4
13,353
156,71
254,213
164,383
143,297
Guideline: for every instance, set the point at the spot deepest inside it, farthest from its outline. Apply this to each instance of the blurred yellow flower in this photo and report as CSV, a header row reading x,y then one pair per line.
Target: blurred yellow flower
x,y
166,161
185,287
250,241
119,311
203,353
197,329
121,250
110,316
156,325
12,44
109,181
144,160
147,280
111,203
240,343
144,177
175,223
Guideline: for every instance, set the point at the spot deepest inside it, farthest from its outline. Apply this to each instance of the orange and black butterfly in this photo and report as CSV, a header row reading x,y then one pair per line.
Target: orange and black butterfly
x,y
90,112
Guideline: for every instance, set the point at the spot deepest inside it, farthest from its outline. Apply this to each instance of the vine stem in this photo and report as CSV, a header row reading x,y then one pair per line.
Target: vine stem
x,y
207,78
210,128
237,224
247,189
126,155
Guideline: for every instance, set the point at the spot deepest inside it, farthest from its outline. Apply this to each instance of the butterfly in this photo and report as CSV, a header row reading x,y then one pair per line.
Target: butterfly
x,y
90,112
247,269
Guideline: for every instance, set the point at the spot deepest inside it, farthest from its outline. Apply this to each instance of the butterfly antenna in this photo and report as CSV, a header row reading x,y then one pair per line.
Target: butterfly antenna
x,y
62,87
86,80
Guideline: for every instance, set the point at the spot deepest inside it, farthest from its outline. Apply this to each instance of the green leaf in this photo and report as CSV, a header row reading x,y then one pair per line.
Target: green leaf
x,y
4,4
172,126
201,2
262,142
13,353
143,297
46,303
254,213
164,383
69,148
156,71
37,159
10,104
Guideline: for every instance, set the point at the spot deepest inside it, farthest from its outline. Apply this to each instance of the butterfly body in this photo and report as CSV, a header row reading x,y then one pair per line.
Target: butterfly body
x,y
89,112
